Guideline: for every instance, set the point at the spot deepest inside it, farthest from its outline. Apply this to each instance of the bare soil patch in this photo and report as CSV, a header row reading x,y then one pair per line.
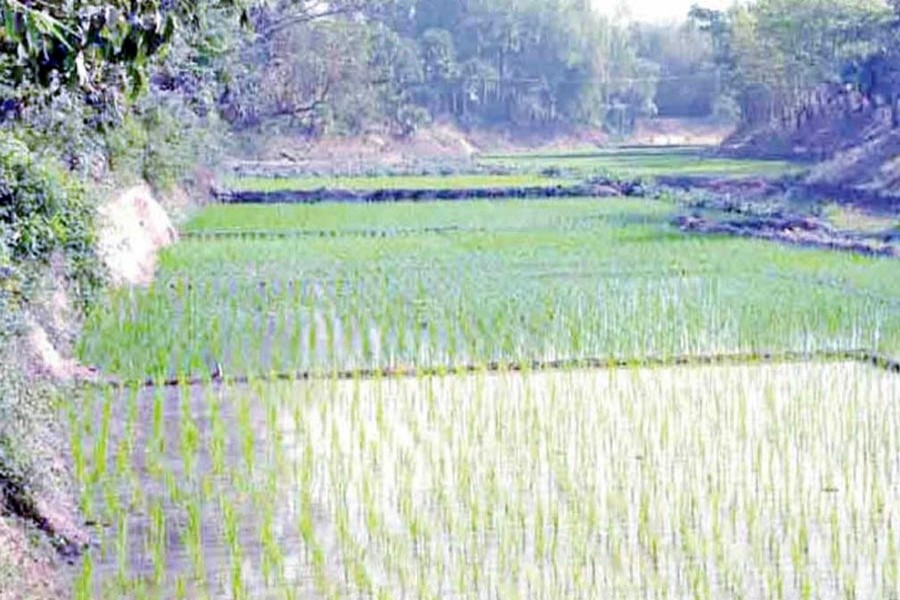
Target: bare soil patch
x,y
134,227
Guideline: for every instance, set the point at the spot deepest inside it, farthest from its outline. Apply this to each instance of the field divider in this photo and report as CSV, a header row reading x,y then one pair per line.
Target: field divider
x,y
792,232
607,188
875,359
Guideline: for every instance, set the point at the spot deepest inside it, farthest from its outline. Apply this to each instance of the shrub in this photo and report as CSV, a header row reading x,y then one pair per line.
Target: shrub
x,y
164,140
10,290
43,213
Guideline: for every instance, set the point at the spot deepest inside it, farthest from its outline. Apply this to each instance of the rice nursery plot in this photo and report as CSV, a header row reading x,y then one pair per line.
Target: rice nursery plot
x,y
405,216
763,481
640,163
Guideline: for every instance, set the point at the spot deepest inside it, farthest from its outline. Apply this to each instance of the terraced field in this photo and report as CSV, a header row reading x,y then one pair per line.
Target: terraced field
x,y
281,455
449,284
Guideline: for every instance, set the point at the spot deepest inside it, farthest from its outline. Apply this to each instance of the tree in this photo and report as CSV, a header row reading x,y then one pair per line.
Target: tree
x,y
776,54
688,77
92,44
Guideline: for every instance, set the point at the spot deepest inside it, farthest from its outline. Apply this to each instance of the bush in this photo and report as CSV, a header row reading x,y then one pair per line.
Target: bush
x,y
10,292
45,213
163,140
411,118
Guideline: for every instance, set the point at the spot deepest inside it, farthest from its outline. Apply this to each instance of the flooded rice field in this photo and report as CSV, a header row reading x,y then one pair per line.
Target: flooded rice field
x,y
707,482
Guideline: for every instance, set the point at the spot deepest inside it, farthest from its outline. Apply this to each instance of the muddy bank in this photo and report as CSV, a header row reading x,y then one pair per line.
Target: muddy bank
x,y
406,372
787,210
797,231
744,187
596,189
42,528
859,198
795,188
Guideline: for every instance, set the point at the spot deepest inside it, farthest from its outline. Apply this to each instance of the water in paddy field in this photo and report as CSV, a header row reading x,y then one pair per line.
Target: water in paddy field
x,y
602,483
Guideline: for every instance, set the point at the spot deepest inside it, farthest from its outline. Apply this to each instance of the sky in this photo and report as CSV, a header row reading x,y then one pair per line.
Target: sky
x,y
659,10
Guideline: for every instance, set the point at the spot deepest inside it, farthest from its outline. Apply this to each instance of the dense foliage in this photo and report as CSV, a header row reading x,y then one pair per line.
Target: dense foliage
x,y
536,63
43,214
778,58
484,62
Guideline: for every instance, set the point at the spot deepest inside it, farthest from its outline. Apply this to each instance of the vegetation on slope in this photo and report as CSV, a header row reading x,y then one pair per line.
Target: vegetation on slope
x,y
816,80
73,77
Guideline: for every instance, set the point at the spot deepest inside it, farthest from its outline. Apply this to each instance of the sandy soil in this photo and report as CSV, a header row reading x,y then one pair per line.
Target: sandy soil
x,y
134,227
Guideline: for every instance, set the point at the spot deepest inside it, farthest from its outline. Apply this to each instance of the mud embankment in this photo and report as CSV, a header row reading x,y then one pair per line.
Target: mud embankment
x,y
598,189
754,188
40,523
797,231
406,372
771,210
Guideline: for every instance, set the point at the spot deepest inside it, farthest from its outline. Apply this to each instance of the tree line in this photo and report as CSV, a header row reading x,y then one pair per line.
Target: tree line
x,y
134,83
781,60
340,66
525,63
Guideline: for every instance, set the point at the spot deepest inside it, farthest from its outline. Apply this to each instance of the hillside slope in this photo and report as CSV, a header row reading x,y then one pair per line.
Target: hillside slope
x,y
837,120
870,169
848,137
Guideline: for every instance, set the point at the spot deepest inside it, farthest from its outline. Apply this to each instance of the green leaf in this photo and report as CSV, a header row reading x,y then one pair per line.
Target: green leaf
x,y
9,22
171,26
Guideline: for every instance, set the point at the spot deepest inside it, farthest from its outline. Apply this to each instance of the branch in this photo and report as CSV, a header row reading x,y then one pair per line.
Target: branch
x,y
307,16
320,100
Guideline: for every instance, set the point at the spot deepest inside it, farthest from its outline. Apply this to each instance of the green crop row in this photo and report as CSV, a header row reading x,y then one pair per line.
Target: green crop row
x,y
705,482
640,164
589,282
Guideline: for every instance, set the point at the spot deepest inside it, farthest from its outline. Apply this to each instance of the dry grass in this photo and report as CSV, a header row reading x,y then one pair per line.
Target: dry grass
x,y
854,219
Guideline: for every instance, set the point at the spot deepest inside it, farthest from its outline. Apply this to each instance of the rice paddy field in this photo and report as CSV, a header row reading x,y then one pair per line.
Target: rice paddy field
x,y
533,170
307,468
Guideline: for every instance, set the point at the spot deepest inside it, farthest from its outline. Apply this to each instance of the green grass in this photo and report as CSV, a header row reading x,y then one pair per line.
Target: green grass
x,y
852,219
592,278
405,182
531,169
